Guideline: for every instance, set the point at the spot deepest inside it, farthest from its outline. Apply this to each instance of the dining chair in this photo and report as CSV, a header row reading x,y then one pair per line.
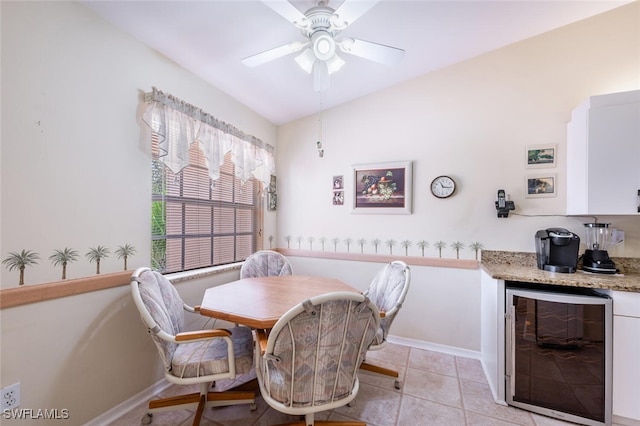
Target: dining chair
x,y
387,291
265,263
309,361
190,357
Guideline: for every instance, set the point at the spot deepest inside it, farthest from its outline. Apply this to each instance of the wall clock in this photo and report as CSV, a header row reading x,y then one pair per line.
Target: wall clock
x,y
443,187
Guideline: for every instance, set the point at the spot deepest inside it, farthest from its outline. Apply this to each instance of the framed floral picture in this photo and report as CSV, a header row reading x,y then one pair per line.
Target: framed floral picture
x,y
543,185
541,156
383,188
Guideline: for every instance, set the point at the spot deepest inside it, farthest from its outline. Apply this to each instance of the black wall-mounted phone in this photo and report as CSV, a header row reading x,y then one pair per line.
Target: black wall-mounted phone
x,y
502,199
502,205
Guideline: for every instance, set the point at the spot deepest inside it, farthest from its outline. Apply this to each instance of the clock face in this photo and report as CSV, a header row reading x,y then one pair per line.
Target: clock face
x,y
443,187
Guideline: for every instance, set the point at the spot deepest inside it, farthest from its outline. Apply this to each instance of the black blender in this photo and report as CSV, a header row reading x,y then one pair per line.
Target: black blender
x,y
595,258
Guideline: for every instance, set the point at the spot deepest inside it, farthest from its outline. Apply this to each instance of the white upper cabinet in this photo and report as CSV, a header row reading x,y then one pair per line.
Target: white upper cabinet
x,y
603,156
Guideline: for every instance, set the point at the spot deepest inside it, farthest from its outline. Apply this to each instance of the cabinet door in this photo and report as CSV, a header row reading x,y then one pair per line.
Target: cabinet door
x,y
626,368
613,163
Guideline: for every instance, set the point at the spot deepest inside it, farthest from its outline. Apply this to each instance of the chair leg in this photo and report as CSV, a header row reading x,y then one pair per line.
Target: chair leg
x,y
202,400
201,404
381,370
385,371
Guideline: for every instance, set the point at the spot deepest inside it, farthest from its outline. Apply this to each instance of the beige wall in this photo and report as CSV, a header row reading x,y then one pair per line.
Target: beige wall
x,y
471,121
75,160
75,173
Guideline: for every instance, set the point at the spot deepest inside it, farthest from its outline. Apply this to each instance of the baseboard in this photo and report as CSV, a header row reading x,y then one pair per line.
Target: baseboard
x,y
435,347
109,417
625,421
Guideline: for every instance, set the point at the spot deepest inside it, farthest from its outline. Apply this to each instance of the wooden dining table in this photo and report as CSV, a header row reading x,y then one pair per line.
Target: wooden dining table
x,y
260,301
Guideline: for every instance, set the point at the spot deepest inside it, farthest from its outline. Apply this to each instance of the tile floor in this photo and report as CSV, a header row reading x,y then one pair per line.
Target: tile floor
x,y
439,389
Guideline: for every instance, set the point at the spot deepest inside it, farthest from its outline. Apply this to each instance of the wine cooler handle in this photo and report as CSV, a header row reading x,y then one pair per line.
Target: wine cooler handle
x,y
510,327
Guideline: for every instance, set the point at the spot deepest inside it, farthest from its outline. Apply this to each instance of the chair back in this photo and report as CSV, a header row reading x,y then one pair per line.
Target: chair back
x,y
265,263
161,309
313,352
388,291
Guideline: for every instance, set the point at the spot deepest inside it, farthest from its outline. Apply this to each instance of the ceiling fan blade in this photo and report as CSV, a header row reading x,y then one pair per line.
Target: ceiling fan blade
x,y
351,10
275,53
287,11
321,81
373,51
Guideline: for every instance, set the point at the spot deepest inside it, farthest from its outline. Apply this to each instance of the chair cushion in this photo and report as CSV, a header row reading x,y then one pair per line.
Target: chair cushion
x,y
385,292
166,308
265,263
206,358
320,369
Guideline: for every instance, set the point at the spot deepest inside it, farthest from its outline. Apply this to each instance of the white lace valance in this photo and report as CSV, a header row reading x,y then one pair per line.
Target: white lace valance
x,y
179,124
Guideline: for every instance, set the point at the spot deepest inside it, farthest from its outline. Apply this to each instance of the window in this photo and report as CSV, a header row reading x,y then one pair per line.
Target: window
x,y
197,222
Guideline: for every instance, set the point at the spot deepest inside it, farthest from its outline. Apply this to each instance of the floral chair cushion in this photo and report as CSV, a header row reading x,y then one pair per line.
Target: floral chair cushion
x,y
205,358
386,291
193,359
318,352
265,263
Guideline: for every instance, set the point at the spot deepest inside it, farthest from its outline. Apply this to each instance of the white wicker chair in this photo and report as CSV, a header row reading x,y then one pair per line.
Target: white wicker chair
x,y
190,357
387,291
310,359
265,263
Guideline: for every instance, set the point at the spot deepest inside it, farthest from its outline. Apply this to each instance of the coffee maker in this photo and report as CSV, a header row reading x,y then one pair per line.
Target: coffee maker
x,y
557,250
596,258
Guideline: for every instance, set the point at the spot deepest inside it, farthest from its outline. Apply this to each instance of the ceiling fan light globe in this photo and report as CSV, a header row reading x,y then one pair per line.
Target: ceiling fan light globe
x,y
305,60
324,47
334,64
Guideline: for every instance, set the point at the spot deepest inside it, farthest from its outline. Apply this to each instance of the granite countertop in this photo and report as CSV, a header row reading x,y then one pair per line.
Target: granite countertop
x,y
521,266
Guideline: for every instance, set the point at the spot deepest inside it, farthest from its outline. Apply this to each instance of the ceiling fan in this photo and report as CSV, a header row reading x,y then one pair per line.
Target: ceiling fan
x,y
320,25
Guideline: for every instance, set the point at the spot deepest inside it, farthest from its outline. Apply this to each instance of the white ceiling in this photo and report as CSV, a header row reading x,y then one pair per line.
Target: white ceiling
x,y
210,38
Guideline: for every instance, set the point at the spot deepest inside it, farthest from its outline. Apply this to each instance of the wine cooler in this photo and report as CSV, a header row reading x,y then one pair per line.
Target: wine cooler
x,y
559,353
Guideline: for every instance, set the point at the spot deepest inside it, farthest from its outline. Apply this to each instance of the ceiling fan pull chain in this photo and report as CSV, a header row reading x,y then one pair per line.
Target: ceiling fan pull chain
x,y
319,143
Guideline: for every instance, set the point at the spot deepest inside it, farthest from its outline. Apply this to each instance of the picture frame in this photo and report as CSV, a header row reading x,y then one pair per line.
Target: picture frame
x,y
272,201
541,156
382,188
541,185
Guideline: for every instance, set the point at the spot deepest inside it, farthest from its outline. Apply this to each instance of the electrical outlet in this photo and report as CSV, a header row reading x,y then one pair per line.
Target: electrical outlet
x,y
11,396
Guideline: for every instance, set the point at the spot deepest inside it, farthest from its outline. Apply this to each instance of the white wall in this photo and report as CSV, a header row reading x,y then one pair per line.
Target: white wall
x,y
75,173
75,160
471,121
442,306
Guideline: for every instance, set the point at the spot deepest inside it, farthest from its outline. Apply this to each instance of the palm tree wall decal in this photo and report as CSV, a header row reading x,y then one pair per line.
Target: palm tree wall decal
x,y
476,247
422,244
21,261
123,252
348,242
457,246
96,255
439,245
335,241
390,243
376,242
64,257
362,243
406,244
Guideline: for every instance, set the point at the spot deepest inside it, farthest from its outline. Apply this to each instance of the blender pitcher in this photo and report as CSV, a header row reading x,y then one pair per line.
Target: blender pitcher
x,y
596,258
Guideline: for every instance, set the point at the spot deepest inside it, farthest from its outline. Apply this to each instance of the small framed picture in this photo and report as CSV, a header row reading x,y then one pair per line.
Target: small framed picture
x,y
272,201
338,182
338,198
541,156
543,185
